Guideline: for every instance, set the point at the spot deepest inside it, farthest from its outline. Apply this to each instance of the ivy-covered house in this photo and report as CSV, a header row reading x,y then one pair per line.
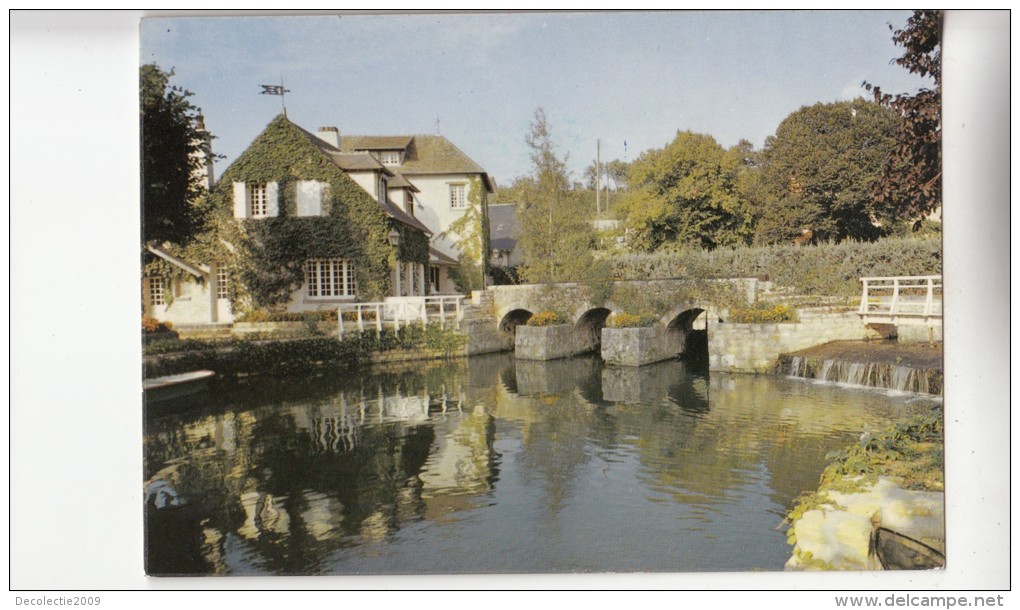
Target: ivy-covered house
x,y
449,194
295,224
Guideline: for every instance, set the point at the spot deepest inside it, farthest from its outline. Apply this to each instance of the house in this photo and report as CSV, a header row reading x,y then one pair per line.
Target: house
x,y
503,232
296,224
440,176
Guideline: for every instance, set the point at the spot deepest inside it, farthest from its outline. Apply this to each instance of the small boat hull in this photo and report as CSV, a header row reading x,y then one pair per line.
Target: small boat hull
x,y
173,386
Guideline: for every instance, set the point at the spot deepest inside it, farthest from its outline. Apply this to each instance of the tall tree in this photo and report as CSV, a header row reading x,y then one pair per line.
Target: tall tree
x,y
685,195
175,150
818,170
556,233
914,169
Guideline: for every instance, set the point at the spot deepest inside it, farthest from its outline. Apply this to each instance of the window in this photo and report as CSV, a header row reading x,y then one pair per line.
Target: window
x,y
222,283
409,203
390,157
157,291
458,196
258,200
330,278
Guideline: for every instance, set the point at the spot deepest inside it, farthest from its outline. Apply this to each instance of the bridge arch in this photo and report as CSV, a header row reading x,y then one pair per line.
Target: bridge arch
x,y
692,325
589,327
514,318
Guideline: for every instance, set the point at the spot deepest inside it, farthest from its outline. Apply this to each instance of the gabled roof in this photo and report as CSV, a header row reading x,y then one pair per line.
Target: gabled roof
x,y
162,252
400,182
423,154
438,258
503,226
357,161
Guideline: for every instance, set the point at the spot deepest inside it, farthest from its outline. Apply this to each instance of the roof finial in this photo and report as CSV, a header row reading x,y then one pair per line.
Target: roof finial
x,y
437,126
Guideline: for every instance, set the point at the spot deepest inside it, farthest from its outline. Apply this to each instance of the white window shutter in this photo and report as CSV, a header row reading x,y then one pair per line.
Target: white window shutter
x,y
272,199
240,200
309,198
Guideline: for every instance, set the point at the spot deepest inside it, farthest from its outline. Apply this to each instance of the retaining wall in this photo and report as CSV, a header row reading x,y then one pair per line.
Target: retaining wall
x,y
754,348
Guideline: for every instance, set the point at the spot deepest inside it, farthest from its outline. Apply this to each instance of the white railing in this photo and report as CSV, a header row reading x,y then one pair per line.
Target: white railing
x,y
401,312
902,300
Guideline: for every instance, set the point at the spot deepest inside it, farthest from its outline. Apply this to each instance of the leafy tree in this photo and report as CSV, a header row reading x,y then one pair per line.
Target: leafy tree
x,y
556,233
175,149
912,175
685,194
472,241
817,173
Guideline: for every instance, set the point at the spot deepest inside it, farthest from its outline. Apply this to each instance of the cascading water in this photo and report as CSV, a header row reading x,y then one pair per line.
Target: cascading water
x,y
888,375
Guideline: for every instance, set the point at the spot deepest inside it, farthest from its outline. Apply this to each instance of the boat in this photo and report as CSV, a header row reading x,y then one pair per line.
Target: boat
x,y
173,386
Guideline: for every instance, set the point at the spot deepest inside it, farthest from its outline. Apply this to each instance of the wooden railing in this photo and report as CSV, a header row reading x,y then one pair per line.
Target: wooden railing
x,y
902,300
401,312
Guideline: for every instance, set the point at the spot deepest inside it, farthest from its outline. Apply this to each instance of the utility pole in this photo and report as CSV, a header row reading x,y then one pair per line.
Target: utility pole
x,y
598,182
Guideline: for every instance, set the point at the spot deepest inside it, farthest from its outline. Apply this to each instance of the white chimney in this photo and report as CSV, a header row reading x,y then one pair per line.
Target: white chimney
x,y
330,135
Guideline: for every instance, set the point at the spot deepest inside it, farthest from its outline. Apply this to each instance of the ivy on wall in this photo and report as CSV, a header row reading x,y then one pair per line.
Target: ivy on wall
x,y
267,255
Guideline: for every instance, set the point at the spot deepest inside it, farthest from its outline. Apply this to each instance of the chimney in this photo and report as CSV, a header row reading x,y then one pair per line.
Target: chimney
x,y
330,135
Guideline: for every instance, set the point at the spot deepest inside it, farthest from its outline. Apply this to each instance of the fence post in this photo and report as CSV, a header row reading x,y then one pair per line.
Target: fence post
x,y
928,301
340,320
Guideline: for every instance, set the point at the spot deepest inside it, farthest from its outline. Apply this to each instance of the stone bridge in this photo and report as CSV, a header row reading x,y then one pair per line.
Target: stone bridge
x,y
680,325
690,322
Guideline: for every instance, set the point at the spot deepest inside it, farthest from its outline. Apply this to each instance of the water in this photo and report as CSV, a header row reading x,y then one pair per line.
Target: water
x,y
490,465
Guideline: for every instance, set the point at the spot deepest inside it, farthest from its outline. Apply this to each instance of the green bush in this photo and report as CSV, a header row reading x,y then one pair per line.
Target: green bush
x,y
829,269
627,320
263,315
761,313
545,318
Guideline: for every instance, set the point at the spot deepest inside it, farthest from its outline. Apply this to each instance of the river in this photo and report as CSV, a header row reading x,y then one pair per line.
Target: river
x,y
490,465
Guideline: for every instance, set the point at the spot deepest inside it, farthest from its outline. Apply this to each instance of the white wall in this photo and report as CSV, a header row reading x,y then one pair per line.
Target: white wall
x,y
435,211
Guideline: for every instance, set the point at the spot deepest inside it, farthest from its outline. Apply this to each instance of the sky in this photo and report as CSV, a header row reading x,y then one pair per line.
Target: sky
x,y
627,80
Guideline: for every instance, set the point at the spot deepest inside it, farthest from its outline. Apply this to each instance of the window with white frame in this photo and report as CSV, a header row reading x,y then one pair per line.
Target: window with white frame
x,y
409,203
458,196
390,157
329,278
258,199
222,283
157,291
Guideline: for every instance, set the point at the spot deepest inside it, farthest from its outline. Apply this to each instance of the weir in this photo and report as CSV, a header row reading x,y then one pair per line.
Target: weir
x,y
915,369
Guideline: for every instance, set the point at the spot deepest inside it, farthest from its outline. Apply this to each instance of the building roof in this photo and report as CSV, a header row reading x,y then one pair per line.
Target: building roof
x,y
400,182
357,161
503,226
438,258
423,154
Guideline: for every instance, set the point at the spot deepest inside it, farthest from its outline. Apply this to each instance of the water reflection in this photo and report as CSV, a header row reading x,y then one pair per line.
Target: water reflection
x,y
490,465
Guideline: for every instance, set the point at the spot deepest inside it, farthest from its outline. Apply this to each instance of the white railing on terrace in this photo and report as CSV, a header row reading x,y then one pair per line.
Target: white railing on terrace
x,y
401,312
902,300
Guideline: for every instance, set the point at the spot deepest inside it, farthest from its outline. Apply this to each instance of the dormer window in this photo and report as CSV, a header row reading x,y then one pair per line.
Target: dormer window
x,y
390,157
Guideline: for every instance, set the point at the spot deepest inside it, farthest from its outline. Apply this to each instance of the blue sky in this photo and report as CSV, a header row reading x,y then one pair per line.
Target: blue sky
x,y
617,77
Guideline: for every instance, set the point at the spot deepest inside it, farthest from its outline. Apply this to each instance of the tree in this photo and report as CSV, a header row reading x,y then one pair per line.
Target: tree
x,y
685,195
175,150
913,172
472,239
556,233
818,171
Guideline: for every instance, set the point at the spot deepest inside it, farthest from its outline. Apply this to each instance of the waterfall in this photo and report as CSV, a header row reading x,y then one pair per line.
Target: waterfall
x,y
867,374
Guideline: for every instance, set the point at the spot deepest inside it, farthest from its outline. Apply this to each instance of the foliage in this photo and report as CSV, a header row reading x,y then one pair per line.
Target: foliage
x,y
233,356
546,318
505,276
152,325
556,234
910,451
823,269
268,254
817,173
264,315
175,148
762,313
912,176
472,240
685,195
627,320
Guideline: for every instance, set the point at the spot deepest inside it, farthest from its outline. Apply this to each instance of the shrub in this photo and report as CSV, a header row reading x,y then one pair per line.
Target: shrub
x,y
152,325
262,315
762,313
627,320
545,318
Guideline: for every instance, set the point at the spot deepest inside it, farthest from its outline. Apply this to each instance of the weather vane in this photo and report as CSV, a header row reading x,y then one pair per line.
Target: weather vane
x,y
276,90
